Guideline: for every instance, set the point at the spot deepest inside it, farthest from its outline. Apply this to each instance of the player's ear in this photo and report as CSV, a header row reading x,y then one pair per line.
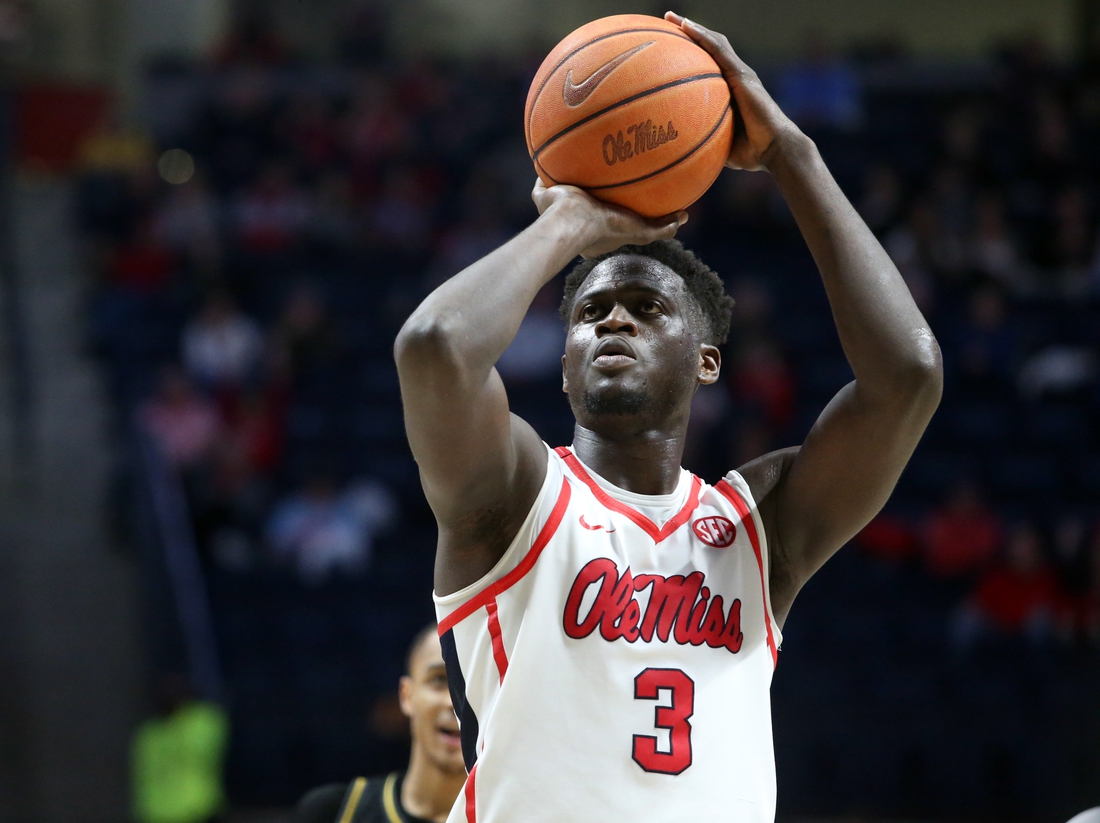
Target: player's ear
x,y
404,695
564,379
710,364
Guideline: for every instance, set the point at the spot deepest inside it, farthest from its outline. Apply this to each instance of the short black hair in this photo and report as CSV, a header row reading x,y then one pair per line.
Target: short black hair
x,y
701,282
420,637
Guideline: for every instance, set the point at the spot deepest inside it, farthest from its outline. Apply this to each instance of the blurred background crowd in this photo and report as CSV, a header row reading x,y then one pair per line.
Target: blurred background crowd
x,y
252,242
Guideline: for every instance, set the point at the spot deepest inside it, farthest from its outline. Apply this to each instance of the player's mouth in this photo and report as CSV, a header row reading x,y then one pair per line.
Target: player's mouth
x,y
613,353
450,736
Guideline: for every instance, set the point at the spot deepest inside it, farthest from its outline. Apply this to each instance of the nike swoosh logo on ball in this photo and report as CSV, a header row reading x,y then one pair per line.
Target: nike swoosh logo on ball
x,y
576,93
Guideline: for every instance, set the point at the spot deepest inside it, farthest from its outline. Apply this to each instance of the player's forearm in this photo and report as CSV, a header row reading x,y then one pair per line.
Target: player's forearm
x,y
472,318
884,335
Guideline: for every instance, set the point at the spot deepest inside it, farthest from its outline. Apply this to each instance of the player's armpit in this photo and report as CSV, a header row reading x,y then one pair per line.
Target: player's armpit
x,y
764,475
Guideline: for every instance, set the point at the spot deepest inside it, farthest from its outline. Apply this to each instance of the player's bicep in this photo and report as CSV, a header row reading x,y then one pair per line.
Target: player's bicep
x,y
843,474
471,451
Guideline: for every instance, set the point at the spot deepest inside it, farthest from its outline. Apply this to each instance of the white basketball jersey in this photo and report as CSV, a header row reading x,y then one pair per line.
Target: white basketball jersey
x,y
615,665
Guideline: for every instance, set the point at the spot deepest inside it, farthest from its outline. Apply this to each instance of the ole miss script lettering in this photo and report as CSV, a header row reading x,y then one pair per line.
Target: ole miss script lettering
x,y
680,608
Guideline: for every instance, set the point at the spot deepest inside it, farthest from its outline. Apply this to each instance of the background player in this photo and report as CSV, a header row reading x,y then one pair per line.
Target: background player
x,y
643,333
427,789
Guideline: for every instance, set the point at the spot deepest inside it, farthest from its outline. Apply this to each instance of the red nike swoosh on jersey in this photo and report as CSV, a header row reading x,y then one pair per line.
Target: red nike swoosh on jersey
x,y
576,93
595,528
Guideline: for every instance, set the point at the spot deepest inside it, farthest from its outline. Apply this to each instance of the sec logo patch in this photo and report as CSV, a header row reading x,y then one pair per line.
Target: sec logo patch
x,y
716,531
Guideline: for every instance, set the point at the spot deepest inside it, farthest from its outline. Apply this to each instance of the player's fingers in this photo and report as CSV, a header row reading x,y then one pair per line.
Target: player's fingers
x,y
715,44
664,228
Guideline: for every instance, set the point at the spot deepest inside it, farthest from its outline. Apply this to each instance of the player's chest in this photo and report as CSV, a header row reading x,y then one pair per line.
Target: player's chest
x,y
688,584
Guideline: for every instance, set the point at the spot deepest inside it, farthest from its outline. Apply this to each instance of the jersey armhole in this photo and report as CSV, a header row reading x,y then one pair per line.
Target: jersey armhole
x,y
734,479
352,799
537,516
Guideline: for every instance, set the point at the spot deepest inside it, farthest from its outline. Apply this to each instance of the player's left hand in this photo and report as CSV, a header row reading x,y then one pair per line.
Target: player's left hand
x,y
762,127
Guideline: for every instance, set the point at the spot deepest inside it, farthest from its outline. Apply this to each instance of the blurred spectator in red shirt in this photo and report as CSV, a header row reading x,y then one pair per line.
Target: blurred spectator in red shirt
x,y
762,380
222,347
184,423
254,431
889,537
1090,611
961,536
1016,597
141,264
272,215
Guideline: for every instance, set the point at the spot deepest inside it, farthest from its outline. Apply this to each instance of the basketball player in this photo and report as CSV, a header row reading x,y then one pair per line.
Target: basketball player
x,y
610,622
427,790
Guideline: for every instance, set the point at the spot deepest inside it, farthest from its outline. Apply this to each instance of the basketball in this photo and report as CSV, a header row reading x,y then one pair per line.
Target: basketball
x,y
631,110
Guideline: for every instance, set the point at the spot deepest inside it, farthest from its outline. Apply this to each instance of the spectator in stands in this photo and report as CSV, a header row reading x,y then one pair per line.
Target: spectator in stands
x,y
991,249
183,423
322,530
426,791
229,509
821,89
222,347
1016,597
1089,603
535,353
188,223
881,201
252,41
400,222
961,537
761,381
272,214
914,246
177,756
889,537
141,264
304,340
986,346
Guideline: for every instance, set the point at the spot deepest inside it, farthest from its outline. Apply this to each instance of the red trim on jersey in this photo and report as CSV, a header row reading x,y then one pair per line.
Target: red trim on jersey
x,y
490,592
471,805
639,519
499,654
734,496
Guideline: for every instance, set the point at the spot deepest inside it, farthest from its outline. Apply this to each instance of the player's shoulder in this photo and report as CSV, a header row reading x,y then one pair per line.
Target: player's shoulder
x,y
763,475
363,800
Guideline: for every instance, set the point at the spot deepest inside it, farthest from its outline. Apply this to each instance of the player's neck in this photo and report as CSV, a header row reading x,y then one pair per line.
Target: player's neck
x,y
428,792
646,464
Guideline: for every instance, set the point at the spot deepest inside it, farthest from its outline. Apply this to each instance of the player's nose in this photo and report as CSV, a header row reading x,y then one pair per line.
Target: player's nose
x,y
617,321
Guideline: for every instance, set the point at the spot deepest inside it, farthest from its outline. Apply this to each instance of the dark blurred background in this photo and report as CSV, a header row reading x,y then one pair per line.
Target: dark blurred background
x,y
215,215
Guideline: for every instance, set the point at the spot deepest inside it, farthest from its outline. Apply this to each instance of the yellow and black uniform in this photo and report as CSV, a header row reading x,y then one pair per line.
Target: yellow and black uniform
x,y
377,800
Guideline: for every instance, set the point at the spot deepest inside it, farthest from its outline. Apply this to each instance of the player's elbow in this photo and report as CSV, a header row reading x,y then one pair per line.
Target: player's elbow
x,y
424,340
922,380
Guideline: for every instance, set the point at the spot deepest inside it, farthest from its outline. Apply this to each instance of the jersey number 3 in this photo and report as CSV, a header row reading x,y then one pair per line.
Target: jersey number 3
x,y
674,718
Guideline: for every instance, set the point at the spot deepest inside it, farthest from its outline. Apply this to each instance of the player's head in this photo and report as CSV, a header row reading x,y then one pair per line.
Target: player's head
x,y
644,324
426,701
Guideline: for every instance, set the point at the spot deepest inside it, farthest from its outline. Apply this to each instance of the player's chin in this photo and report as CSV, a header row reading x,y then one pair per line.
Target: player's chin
x,y
615,396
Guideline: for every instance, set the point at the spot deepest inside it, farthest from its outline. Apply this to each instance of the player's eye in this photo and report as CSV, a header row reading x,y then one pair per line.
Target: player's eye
x,y
649,307
590,312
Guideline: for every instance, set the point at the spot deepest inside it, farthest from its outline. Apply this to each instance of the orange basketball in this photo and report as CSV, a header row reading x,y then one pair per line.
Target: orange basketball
x,y
630,109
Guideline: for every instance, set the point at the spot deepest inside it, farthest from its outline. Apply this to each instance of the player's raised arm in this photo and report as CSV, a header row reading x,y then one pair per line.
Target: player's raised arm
x,y
480,466
817,497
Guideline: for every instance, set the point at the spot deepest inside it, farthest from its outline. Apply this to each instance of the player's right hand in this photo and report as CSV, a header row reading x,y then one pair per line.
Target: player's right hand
x,y
761,127
603,227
